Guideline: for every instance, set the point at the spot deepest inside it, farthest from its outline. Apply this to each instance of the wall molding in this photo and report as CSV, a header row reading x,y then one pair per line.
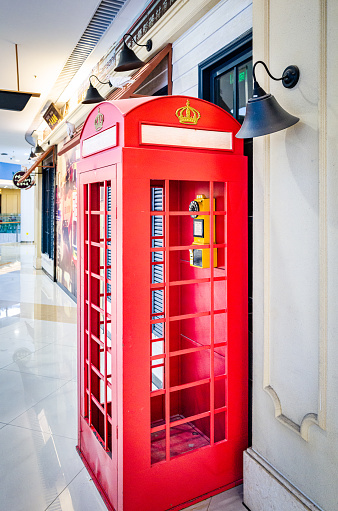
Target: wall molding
x,y
323,248
265,488
319,417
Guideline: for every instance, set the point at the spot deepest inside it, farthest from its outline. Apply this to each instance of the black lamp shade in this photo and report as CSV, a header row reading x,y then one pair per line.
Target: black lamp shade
x,y
13,100
264,115
128,60
32,155
38,150
92,96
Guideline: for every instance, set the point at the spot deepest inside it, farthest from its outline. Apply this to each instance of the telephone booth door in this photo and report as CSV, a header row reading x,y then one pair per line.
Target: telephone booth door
x,y
163,382
97,315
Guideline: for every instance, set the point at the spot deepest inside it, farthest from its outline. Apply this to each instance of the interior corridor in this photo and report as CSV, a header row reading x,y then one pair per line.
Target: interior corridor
x,y
40,468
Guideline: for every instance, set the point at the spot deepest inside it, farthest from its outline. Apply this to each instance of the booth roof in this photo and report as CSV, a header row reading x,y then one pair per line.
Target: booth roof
x,y
127,92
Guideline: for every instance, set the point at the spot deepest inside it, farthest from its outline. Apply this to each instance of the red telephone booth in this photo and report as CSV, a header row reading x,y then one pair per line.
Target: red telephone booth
x,y
162,307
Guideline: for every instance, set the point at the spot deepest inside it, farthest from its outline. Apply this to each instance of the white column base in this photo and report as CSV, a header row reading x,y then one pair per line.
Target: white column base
x,y
37,264
265,489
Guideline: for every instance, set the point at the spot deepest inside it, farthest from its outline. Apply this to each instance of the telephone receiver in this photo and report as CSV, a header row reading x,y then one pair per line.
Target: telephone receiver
x,y
200,257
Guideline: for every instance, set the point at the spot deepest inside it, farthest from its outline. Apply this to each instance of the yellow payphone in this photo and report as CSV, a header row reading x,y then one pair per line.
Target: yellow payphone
x,y
200,257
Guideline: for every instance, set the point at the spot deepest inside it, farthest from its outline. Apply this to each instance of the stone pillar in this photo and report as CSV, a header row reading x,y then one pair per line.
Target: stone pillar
x,y
292,464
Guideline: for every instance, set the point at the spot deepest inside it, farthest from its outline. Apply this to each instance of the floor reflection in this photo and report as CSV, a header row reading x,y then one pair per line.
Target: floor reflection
x,y
40,469
9,311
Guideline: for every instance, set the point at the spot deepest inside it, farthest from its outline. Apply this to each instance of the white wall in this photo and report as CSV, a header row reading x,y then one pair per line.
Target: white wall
x,y
220,26
27,214
295,402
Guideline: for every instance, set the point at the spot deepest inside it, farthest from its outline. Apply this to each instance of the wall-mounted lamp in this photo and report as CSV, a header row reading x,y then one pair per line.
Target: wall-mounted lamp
x,y
264,114
38,149
32,155
128,59
93,95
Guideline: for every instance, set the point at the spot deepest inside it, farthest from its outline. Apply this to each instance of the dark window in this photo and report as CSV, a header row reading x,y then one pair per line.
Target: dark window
x,y
48,197
232,87
225,78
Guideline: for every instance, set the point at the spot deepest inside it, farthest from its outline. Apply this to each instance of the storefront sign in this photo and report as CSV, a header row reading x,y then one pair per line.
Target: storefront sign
x,y
27,183
150,16
52,116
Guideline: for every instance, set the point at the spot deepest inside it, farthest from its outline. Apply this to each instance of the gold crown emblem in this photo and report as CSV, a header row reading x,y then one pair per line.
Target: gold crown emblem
x,y
187,114
99,120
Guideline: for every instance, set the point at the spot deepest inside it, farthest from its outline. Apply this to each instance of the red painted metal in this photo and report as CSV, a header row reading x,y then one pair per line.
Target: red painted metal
x,y
163,391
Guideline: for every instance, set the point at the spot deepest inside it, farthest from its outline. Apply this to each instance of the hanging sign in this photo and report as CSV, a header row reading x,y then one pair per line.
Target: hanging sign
x,y
52,116
27,183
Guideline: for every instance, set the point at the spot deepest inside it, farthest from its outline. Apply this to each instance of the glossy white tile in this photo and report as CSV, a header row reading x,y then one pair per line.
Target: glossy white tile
x,y
21,391
230,500
199,506
80,495
68,339
38,468
21,329
55,414
54,330
13,349
52,361
18,326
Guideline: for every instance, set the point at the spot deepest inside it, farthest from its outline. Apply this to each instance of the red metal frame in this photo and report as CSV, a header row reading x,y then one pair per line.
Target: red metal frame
x,y
161,448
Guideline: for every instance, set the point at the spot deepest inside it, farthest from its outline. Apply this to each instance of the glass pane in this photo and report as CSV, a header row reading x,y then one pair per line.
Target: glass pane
x,y
157,369
220,426
224,95
189,402
157,446
188,368
157,376
244,88
158,421
189,437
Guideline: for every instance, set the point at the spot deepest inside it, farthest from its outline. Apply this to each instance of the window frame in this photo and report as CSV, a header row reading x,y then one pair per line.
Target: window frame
x,y
229,57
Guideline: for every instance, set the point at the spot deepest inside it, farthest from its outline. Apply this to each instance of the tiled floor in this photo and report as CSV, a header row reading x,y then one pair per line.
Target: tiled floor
x,y
39,467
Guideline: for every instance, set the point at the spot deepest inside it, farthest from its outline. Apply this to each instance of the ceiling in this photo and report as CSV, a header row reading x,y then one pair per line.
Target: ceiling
x,y
46,32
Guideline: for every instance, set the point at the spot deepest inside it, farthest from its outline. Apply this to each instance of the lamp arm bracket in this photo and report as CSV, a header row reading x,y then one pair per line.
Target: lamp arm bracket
x,y
289,77
103,83
266,69
148,45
